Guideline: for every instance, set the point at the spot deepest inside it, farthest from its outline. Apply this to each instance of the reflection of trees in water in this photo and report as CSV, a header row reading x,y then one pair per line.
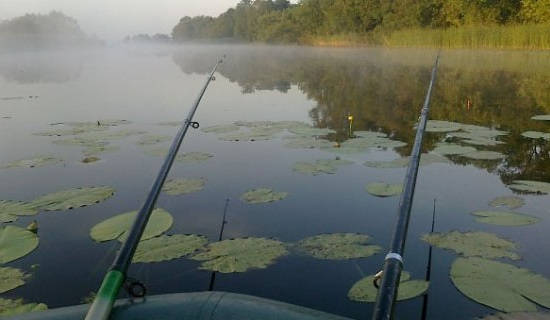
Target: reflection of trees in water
x,y
387,96
40,67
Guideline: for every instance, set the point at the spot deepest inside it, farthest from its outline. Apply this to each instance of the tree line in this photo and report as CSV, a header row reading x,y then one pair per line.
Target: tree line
x,y
283,22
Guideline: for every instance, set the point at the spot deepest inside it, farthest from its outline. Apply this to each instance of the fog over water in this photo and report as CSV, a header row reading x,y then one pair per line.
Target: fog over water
x,y
113,20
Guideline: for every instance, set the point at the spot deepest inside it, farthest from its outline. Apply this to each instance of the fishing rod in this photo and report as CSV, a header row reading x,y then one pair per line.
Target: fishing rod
x,y
115,277
393,265
428,270
224,222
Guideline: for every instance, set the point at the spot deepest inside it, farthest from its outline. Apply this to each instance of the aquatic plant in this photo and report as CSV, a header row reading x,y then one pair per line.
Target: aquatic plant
x,y
176,187
262,195
16,242
499,285
168,247
529,186
338,246
471,244
72,198
328,166
382,189
152,139
117,227
364,290
35,162
10,210
240,255
511,202
11,278
503,218
10,307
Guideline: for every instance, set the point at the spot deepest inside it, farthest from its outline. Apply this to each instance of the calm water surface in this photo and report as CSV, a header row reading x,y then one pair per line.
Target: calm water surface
x,y
382,89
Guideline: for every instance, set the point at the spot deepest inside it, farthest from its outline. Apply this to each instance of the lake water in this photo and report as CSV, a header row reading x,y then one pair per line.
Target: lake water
x,y
382,89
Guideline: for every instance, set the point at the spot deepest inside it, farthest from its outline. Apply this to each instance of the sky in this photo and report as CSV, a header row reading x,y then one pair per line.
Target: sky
x,y
112,20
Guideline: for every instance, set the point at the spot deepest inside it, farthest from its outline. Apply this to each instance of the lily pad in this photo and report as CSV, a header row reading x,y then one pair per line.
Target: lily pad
x,y
311,131
10,307
425,159
152,139
194,157
452,149
82,142
381,189
536,135
72,198
11,278
255,134
484,155
262,195
70,131
118,226
96,150
511,202
442,126
32,163
90,159
98,123
240,255
166,248
111,135
543,117
177,187
16,242
503,218
338,246
529,186
9,210
499,285
364,290
306,142
320,166
471,244
221,128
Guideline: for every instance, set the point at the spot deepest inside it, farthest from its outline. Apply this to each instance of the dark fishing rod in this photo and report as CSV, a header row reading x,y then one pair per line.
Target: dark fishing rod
x,y
428,271
393,265
115,277
224,222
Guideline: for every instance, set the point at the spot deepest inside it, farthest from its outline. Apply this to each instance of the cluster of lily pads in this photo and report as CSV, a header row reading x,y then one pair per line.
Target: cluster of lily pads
x,y
478,276
17,242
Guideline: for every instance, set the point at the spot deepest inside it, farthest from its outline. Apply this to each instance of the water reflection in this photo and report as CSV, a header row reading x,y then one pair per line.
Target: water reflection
x,y
384,90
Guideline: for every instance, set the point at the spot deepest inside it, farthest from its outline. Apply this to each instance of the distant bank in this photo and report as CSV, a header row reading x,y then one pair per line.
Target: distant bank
x,y
504,24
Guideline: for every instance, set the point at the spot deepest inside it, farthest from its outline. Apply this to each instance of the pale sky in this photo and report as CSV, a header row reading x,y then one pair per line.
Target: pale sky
x,y
111,20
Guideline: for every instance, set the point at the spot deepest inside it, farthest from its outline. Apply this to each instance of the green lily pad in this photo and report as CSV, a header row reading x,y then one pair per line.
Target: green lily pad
x,y
98,123
519,316
471,244
529,186
503,218
118,226
499,285
306,142
452,149
240,255
97,150
262,195
32,163
536,135
72,198
10,307
482,142
425,159
381,189
370,134
320,166
511,202
542,117
484,155
338,246
364,290
16,242
9,210
11,278
310,131
272,124
442,126
177,187
152,139
82,142
111,135
166,248
255,134
70,131
194,157
90,159
221,128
